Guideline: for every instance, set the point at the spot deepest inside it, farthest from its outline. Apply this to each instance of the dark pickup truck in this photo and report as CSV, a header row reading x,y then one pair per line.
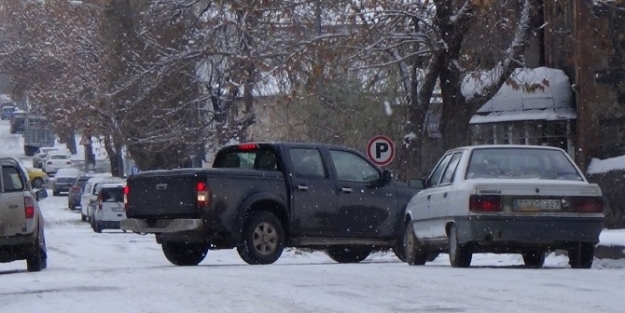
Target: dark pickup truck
x,y
263,197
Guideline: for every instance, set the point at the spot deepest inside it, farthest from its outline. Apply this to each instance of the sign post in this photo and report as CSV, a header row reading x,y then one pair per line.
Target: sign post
x,y
381,150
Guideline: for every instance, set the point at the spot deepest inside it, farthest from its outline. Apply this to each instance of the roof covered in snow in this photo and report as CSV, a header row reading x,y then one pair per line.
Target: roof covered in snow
x,y
551,100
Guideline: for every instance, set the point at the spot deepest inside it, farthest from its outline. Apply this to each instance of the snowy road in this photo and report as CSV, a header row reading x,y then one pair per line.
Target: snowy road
x,y
123,272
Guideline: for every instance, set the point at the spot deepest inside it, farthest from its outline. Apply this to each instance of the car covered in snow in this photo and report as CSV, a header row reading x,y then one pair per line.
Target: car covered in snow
x,y
505,199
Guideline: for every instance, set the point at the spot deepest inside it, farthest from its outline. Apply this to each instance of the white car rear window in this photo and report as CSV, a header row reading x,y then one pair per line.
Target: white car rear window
x,y
519,163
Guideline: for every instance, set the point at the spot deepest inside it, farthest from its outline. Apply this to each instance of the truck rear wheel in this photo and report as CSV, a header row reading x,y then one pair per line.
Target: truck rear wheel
x,y
349,254
184,254
262,239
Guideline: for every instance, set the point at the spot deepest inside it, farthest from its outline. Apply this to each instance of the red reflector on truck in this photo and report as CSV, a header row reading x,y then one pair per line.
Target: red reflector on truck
x,y
485,203
201,186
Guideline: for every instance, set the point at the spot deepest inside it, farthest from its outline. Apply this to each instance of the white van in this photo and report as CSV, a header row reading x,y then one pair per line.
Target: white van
x,y
89,195
109,209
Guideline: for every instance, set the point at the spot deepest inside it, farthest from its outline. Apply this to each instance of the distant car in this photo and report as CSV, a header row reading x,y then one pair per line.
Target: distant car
x,y
64,179
55,161
22,234
40,155
18,122
109,209
505,199
89,195
37,177
7,111
75,192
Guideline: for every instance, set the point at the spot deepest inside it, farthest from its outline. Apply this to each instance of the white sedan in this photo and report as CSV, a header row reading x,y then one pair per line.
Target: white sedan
x,y
55,161
505,199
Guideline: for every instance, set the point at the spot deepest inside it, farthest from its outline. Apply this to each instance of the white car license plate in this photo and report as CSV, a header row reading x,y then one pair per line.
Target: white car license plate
x,y
118,209
536,205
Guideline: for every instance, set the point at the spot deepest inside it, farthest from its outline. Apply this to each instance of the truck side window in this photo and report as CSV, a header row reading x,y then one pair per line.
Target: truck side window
x,y
307,162
351,167
11,180
435,177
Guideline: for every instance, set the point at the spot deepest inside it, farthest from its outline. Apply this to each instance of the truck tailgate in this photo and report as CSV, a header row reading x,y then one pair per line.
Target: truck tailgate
x,y
171,195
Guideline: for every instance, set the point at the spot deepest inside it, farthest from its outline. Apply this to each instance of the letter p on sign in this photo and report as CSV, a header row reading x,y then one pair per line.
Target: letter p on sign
x,y
381,150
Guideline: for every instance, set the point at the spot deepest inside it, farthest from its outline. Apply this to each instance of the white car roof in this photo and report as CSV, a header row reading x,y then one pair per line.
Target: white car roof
x,y
506,146
67,172
110,179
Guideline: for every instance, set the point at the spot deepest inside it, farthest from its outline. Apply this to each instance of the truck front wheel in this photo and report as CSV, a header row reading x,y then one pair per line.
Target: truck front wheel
x,y
262,239
184,254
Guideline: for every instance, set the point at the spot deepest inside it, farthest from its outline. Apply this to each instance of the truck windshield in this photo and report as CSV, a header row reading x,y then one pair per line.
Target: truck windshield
x,y
264,160
521,163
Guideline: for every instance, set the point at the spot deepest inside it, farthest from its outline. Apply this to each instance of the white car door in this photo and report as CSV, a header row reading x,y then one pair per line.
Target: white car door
x,y
423,211
84,198
445,197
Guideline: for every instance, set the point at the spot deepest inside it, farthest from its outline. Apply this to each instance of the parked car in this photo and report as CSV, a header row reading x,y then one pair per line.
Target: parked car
x,y
37,177
22,235
7,111
55,161
41,155
75,192
64,179
89,195
18,122
505,199
262,197
109,209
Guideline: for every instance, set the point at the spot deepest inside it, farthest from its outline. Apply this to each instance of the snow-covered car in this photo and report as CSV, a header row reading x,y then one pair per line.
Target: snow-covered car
x,y
109,210
64,179
55,161
41,155
505,199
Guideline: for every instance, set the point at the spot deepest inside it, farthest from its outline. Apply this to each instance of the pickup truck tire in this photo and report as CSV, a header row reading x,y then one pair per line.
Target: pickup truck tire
x,y
38,260
534,259
349,254
262,239
582,255
416,254
459,255
184,254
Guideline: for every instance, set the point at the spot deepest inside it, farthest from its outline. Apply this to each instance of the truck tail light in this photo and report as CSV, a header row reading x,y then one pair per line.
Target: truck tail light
x,y
248,147
202,200
478,203
588,204
126,193
29,207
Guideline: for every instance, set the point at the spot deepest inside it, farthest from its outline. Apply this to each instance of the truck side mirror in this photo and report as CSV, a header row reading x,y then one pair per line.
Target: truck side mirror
x,y
41,194
416,183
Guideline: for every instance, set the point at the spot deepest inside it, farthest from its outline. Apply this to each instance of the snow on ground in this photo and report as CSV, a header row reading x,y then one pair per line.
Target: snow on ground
x,y
124,272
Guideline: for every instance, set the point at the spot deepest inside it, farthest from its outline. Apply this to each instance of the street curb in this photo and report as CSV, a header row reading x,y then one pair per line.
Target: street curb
x,y
610,252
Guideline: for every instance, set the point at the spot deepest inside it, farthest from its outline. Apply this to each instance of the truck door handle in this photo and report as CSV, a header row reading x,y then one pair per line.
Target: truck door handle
x,y
429,196
346,190
445,195
13,206
302,187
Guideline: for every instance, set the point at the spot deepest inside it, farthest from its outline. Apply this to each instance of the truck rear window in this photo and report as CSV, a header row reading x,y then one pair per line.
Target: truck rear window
x,y
264,160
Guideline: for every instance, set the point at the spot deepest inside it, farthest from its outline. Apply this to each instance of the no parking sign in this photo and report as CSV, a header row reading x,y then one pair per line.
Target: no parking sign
x,y
381,150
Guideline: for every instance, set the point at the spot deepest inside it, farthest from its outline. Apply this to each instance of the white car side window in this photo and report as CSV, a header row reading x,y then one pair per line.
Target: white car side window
x,y
435,177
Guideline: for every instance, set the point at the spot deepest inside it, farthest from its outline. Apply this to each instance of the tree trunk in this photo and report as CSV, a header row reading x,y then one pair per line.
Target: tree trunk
x,y
70,143
114,152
